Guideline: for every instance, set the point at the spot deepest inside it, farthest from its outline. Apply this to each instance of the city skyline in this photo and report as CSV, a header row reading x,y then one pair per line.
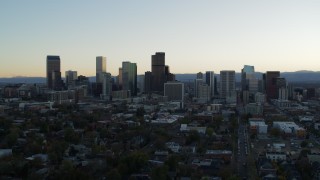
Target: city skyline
x,y
207,36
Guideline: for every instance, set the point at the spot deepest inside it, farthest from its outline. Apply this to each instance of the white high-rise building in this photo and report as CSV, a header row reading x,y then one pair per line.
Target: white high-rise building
x,y
101,62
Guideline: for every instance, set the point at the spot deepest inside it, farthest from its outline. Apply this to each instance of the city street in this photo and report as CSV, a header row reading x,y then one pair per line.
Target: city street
x,y
243,151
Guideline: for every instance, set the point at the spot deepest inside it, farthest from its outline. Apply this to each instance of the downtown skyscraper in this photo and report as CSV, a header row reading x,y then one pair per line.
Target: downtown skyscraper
x,y
100,68
54,81
129,77
158,70
71,77
271,84
209,78
227,84
249,84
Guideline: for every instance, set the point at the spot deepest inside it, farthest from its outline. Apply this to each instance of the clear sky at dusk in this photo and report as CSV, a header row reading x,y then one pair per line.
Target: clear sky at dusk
x,y
195,35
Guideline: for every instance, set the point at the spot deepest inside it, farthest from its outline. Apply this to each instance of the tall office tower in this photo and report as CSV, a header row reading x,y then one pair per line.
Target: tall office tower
x,y
264,83
261,86
197,83
283,93
247,73
120,78
204,92
167,72
100,68
158,71
169,76
248,80
199,75
282,88
210,81
71,77
140,83
106,86
147,82
54,80
129,77
82,80
174,91
271,86
227,84
57,82
216,92
281,82
290,91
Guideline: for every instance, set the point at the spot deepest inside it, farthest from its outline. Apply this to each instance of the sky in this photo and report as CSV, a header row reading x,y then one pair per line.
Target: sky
x,y
197,36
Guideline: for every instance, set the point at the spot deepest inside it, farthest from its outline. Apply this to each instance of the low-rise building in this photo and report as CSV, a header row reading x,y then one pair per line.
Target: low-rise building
x,y
62,97
175,147
254,109
276,156
186,128
5,152
290,128
258,127
306,118
226,155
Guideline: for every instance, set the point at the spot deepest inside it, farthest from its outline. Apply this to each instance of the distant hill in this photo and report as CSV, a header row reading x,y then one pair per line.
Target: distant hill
x,y
27,80
31,80
299,76
302,76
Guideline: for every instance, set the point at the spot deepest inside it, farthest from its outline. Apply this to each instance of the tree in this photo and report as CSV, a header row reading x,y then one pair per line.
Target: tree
x,y
217,121
304,167
159,173
68,171
13,136
56,151
70,136
234,123
275,132
160,143
209,131
114,174
172,162
140,112
304,144
132,163
192,137
11,139
184,121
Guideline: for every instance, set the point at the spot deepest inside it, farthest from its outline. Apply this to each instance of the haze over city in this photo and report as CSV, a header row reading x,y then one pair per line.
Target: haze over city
x,y
196,36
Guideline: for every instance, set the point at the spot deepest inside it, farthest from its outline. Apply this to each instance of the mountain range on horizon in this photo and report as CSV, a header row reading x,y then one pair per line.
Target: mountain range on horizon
x,y
297,76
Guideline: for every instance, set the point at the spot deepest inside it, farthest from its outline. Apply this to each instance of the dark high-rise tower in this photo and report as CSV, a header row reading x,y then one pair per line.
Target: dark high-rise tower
x,y
53,73
271,84
147,82
158,71
129,77
227,84
210,81
169,76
